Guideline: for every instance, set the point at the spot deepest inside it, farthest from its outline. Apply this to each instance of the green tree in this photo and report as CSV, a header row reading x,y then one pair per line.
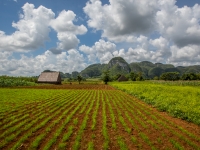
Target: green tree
x,y
47,71
171,76
79,78
106,76
139,77
185,76
198,76
116,76
133,76
189,76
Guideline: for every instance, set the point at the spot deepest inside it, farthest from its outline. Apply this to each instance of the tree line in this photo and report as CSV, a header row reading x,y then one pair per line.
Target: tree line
x,y
9,81
168,76
132,76
174,76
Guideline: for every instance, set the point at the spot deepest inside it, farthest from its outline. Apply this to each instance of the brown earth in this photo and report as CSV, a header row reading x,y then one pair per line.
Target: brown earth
x,y
68,86
138,125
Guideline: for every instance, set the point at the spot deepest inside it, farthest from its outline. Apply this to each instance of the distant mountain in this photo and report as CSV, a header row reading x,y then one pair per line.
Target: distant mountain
x,y
94,70
118,65
135,67
155,71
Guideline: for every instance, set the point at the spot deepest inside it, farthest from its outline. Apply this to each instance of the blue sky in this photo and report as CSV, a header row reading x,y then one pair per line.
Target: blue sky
x,y
10,12
69,35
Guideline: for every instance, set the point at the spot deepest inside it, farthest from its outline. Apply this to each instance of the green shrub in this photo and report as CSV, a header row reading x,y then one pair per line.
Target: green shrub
x,y
14,82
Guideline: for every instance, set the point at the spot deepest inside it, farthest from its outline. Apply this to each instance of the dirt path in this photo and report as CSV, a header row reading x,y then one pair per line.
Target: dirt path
x,y
68,86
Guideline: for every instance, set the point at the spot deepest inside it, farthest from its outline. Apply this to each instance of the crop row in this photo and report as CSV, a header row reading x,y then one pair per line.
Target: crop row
x,y
136,116
47,112
179,101
89,119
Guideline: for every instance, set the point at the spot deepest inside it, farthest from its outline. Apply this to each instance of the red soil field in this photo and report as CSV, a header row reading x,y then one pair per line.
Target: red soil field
x,y
99,117
72,86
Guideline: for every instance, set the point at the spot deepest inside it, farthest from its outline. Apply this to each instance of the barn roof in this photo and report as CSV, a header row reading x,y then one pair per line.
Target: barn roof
x,y
49,77
122,78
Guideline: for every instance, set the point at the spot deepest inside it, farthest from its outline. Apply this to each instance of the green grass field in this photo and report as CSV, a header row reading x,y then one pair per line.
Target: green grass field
x,y
181,100
89,116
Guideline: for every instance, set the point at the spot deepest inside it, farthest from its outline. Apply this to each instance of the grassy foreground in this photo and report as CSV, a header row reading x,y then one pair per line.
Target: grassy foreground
x,y
180,101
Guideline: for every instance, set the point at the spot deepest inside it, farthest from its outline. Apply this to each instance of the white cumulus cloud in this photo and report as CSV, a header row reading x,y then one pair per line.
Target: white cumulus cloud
x,y
31,30
180,25
121,18
102,50
186,55
34,26
68,61
66,30
137,30
136,22
157,50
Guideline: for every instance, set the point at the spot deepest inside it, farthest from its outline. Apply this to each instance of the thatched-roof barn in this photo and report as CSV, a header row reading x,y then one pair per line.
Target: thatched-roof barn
x,y
122,78
50,77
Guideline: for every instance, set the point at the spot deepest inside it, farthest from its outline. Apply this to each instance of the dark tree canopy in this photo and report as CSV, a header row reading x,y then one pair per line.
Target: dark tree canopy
x,y
171,76
189,76
79,78
133,76
106,77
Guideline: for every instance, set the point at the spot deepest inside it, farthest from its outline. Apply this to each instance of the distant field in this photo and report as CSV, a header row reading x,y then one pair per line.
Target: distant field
x,y
180,99
87,117
178,83
94,79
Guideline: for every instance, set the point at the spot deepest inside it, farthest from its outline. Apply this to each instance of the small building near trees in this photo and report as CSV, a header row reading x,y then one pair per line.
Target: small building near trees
x,y
50,77
122,78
